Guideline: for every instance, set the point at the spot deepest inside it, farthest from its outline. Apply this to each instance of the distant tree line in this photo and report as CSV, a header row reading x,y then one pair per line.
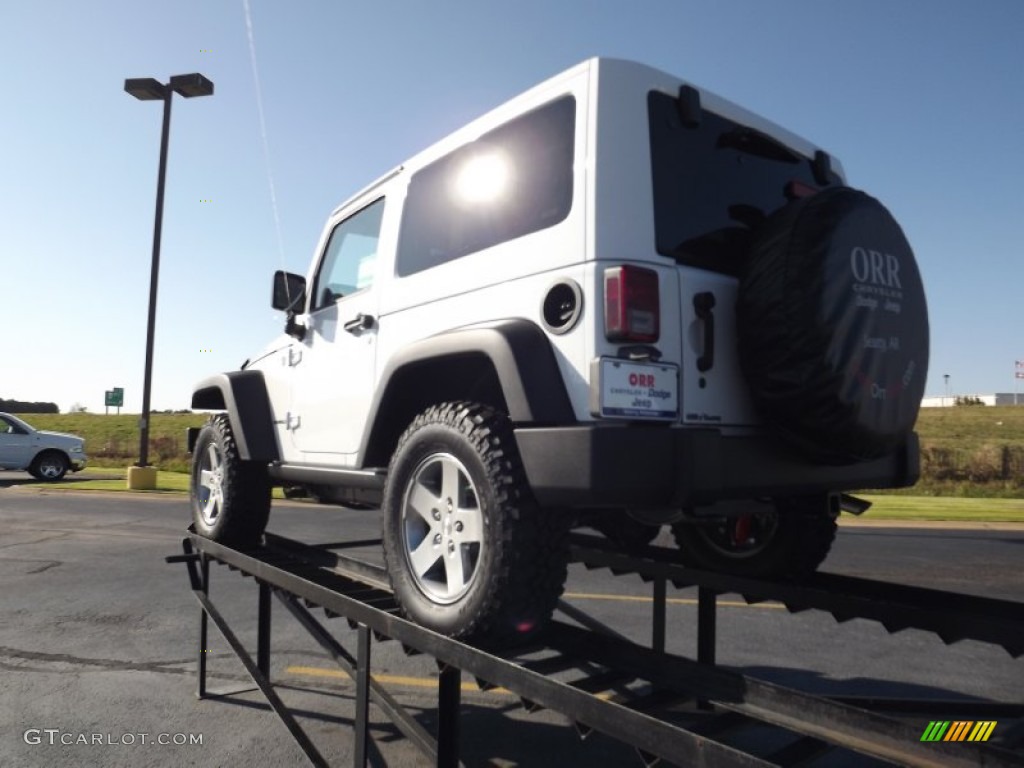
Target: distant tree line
x,y
21,406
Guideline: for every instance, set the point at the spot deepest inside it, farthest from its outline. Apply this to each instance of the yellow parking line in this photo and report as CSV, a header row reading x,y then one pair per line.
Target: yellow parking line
x,y
669,600
404,680
410,682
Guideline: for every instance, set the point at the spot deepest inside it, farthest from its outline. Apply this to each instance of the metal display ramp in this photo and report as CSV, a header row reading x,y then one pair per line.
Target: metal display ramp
x,y
671,709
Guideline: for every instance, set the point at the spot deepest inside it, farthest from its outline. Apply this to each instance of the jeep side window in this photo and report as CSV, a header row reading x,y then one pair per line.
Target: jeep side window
x,y
350,257
512,181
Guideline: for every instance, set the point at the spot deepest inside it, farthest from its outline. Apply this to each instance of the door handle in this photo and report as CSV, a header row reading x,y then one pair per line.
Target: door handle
x,y
703,304
359,323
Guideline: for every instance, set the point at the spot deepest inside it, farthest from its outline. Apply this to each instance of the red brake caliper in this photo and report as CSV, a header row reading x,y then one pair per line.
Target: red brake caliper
x,y
741,530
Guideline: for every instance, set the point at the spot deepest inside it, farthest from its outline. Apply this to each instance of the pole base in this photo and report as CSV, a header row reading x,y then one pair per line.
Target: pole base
x,y
141,478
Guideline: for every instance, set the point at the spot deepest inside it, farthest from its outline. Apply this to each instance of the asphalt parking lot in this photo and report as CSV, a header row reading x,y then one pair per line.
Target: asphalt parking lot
x,y
98,639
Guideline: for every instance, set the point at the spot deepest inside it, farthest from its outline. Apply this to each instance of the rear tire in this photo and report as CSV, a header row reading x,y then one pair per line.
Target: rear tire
x,y
468,551
789,539
230,498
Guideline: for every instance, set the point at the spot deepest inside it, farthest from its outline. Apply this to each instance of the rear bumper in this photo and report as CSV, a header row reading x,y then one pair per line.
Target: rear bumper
x,y
657,466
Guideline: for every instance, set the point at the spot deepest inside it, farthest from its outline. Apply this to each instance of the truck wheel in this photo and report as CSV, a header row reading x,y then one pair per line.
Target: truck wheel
x,y
230,498
468,551
790,539
49,465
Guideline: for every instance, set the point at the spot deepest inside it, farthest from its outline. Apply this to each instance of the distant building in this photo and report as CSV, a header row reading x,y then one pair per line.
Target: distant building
x,y
999,398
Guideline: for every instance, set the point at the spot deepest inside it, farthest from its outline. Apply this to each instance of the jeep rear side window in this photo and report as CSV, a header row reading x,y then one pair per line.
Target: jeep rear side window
x,y
510,182
350,256
713,183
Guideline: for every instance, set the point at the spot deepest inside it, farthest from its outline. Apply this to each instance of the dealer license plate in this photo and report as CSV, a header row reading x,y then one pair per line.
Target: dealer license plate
x,y
638,390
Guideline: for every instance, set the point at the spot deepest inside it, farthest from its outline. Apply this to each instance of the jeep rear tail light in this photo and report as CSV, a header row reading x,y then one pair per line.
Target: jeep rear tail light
x,y
631,309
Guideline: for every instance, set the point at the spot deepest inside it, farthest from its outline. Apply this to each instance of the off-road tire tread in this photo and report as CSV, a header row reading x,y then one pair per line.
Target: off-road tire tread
x,y
529,564
246,507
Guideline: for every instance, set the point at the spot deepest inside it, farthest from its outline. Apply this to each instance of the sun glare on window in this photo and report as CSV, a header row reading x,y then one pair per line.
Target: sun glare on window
x,y
484,178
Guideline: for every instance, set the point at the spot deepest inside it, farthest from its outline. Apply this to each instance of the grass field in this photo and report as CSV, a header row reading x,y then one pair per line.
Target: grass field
x,y
972,451
968,451
891,507
972,426
113,441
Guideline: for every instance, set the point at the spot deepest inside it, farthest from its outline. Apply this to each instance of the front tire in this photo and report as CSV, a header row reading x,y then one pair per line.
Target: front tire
x,y
469,553
789,539
50,466
230,498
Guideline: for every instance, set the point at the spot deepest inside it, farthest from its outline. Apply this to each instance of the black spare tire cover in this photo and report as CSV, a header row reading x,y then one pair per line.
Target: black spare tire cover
x,y
832,326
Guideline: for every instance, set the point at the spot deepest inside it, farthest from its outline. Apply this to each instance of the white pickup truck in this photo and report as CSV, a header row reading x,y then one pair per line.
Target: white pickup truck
x,y
45,455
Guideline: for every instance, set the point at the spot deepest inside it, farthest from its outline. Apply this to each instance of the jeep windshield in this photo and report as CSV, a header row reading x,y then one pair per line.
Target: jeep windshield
x,y
714,182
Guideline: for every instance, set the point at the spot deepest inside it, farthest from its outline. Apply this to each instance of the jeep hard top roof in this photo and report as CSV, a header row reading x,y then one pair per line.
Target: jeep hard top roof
x,y
605,75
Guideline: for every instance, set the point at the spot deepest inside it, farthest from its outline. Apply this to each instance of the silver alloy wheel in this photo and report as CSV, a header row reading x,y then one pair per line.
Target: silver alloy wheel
x,y
51,467
210,492
442,528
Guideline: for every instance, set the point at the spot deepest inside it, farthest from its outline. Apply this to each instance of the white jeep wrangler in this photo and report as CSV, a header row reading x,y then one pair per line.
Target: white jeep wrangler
x,y
617,301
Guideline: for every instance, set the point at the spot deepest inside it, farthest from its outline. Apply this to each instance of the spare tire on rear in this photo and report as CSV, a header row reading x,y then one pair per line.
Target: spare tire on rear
x,y
833,326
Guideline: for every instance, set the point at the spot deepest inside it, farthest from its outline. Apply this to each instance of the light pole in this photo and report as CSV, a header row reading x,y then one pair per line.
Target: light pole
x,y
149,89
946,377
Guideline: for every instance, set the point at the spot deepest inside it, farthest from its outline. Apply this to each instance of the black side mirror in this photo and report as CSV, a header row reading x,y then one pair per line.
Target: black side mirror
x,y
290,296
289,292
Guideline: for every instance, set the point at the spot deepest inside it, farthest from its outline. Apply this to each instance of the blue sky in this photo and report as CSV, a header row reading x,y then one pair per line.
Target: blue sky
x,y
923,102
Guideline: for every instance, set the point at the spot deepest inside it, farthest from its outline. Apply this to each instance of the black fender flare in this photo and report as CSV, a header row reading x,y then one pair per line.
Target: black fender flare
x,y
243,395
518,351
